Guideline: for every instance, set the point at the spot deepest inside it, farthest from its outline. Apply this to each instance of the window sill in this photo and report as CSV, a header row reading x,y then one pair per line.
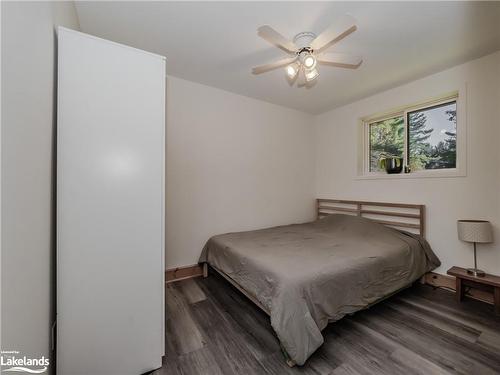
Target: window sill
x,y
414,175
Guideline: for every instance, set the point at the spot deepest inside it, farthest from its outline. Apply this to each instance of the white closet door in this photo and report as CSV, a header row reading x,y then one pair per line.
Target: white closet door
x,y
110,207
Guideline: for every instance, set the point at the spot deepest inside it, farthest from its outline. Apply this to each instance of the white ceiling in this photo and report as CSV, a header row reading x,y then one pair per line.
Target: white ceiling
x,y
215,43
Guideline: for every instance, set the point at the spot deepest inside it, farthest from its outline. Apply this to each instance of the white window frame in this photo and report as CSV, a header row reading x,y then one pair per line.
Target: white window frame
x,y
461,160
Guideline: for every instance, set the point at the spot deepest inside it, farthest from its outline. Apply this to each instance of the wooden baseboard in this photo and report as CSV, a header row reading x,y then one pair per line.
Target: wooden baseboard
x,y
448,282
186,272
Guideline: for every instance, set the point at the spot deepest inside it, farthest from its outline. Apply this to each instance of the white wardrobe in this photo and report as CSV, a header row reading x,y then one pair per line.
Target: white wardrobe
x,y
110,207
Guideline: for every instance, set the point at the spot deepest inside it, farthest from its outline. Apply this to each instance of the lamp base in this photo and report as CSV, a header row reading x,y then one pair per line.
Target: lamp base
x,y
475,272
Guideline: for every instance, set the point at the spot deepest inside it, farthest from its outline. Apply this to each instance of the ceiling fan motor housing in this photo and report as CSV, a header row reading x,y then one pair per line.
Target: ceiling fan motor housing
x,y
304,39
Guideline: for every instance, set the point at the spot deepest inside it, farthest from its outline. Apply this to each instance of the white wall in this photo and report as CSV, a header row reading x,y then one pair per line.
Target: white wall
x,y
28,123
233,164
446,199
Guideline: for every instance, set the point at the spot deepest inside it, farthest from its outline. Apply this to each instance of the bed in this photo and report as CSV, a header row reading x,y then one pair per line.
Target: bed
x,y
305,276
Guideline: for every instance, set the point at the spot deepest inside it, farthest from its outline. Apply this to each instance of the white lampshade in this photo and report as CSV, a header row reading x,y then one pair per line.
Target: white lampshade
x,y
475,231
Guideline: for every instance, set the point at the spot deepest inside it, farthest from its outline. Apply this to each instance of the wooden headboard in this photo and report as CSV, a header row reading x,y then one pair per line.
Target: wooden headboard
x,y
399,215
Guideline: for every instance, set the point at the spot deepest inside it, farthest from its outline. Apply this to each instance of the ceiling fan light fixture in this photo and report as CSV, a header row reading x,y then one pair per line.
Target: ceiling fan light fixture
x,y
309,61
292,70
311,74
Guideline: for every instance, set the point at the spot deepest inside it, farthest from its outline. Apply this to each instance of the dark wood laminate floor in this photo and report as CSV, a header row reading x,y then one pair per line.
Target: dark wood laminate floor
x,y
214,329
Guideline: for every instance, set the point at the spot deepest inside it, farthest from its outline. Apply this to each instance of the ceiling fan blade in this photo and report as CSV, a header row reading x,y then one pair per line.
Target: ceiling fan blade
x,y
273,65
272,36
334,33
341,60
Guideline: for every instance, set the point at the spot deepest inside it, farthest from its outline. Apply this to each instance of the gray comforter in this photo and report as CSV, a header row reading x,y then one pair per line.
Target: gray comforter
x,y
307,275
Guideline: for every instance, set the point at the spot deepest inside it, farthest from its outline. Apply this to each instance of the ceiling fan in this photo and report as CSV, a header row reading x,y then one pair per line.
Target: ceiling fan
x,y
307,51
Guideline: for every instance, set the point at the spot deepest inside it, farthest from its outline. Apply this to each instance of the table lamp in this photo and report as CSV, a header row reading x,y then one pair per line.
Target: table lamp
x,y
475,231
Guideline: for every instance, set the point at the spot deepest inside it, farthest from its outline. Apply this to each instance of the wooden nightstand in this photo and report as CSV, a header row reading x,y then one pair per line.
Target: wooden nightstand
x,y
489,283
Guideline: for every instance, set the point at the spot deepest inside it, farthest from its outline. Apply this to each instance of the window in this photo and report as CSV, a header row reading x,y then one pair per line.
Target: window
x,y
423,137
432,137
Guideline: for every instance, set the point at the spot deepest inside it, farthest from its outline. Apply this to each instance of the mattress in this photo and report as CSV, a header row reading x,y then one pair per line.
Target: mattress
x,y
307,275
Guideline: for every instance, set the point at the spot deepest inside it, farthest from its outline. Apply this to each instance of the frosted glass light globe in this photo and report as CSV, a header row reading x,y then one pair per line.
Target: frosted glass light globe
x,y
309,62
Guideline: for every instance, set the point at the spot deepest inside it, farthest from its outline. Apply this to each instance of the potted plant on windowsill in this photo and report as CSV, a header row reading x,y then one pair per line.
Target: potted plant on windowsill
x,y
391,164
